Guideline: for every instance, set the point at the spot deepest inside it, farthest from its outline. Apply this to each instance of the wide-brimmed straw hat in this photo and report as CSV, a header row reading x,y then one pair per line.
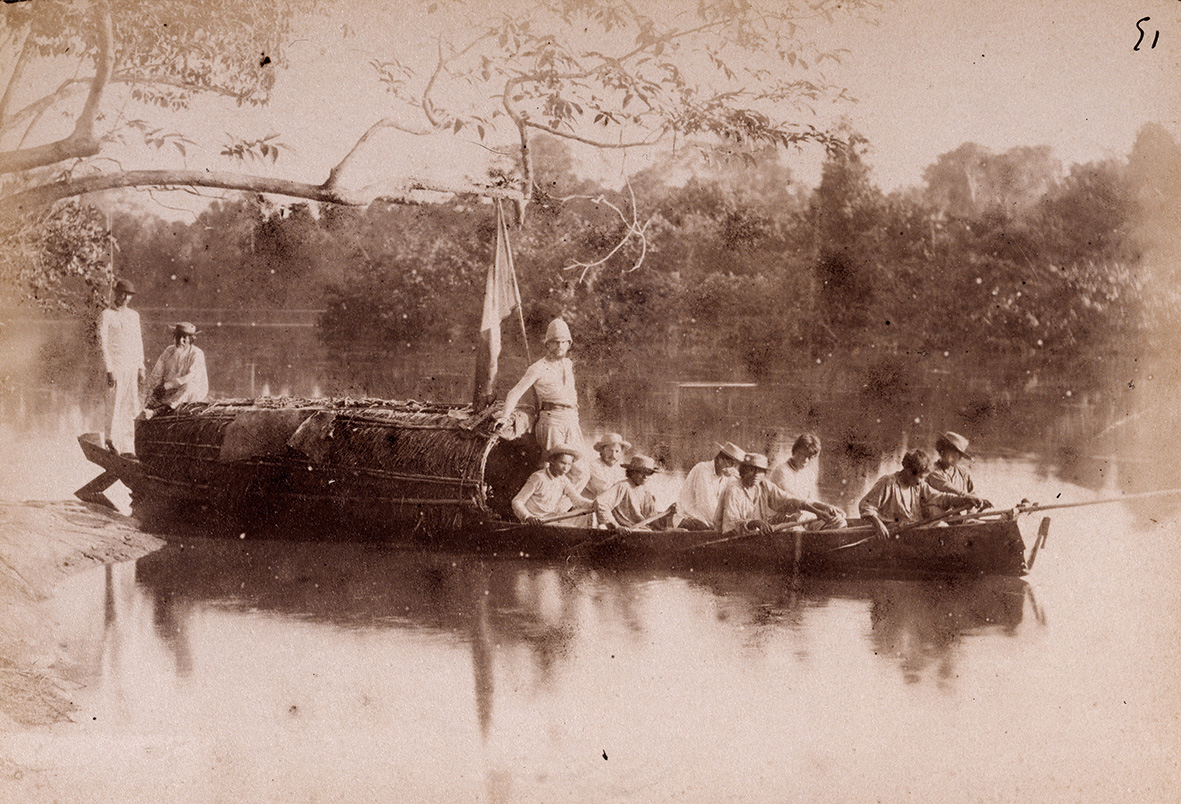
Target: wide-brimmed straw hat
x,y
641,463
610,440
731,450
562,449
184,328
954,441
756,460
123,286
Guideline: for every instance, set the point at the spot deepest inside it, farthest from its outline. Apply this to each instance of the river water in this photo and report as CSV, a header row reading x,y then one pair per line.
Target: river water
x,y
252,671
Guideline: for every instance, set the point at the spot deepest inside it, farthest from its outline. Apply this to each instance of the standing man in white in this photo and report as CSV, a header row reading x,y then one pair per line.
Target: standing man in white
x,y
552,379
122,345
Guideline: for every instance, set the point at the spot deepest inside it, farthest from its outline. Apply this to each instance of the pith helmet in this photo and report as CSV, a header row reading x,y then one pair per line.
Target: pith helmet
x,y
611,439
558,331
641,463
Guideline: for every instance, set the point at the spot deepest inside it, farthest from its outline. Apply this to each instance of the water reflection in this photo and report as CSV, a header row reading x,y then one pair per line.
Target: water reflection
x,y
544,608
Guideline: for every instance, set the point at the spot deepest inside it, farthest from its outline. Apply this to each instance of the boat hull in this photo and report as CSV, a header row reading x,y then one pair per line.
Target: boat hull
x,y
440,476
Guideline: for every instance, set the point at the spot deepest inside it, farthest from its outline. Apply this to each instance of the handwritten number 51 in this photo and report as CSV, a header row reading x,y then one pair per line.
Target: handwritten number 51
x,y
1155,35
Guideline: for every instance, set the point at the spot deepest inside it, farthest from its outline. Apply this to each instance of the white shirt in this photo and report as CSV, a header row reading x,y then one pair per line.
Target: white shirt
x,y
183,369
542,494
702,490
603,477
803,484
553,380
121,341
762,500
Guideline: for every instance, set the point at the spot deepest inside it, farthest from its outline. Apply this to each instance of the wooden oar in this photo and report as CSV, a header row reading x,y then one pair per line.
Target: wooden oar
x,y
922,523
744,534
908,527
650,520
549,520
615,534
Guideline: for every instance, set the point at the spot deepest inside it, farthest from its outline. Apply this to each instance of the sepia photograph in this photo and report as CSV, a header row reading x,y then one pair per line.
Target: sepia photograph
x,y
590,401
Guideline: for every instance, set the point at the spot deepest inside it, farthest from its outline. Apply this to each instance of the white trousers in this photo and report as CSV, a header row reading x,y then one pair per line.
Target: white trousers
x,y
122,408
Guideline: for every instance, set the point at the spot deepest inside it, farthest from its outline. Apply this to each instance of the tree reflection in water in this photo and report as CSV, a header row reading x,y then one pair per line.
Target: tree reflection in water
x,y
541,606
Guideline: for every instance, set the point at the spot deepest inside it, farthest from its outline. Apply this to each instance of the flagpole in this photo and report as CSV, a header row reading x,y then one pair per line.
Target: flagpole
x,y
516,288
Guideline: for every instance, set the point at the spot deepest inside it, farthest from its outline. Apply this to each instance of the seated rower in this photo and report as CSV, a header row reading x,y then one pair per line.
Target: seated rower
x,y
797,475
543,494
901,497
629,502
755,502
607,469
947,475
698,501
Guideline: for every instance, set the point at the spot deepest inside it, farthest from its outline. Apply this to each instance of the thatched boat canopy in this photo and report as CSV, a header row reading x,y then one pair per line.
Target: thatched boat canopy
x,y
432,459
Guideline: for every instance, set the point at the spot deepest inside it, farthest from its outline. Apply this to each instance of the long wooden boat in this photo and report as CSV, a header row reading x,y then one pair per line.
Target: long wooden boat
x,y
441,476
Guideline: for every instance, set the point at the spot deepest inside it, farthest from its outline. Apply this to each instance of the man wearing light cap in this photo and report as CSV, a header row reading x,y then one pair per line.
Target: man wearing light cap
x,y
756,502
552,380
629,502
948,474
697,505
547,490
607,469
122,346
179,374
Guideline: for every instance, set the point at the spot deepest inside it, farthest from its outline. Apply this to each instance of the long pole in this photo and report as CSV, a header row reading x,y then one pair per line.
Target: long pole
x,y
1138,496
1033,509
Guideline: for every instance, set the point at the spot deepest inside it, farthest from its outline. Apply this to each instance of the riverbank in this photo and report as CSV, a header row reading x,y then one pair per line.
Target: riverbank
x,y
42,543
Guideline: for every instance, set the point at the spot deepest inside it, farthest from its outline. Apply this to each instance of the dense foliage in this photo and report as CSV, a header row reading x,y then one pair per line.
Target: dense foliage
x,y
1041,267
1044,268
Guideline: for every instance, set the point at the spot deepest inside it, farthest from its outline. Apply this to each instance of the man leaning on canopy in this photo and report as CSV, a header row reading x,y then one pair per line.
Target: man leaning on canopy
x,y
552,380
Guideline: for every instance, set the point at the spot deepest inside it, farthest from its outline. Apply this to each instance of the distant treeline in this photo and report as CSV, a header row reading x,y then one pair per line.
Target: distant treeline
x,y
1006,256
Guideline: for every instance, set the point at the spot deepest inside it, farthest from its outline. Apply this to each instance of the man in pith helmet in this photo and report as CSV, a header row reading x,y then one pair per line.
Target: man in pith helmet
x,y
552,380
122,345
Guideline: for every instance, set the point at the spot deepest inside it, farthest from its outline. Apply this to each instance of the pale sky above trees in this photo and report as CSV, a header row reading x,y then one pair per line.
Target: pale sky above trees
x,y
928,75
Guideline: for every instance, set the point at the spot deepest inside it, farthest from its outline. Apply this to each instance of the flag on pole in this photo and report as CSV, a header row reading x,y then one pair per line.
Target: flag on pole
x,y
501,297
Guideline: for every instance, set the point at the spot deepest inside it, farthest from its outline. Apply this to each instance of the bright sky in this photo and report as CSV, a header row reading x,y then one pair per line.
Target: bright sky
x,y
930,76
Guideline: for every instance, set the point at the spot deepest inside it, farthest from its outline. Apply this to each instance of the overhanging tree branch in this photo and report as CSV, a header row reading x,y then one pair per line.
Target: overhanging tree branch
x,y
49,193
81,141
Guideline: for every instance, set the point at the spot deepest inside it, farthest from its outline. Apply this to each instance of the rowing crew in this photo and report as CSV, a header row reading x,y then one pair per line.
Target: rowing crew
x,y
732,491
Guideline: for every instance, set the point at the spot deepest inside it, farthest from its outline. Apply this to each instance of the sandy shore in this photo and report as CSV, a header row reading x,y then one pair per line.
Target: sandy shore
x,y
41,543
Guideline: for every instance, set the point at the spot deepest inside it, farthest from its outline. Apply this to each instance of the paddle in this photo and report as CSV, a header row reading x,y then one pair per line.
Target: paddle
x,y
615,534
549,520
931,520
906,527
